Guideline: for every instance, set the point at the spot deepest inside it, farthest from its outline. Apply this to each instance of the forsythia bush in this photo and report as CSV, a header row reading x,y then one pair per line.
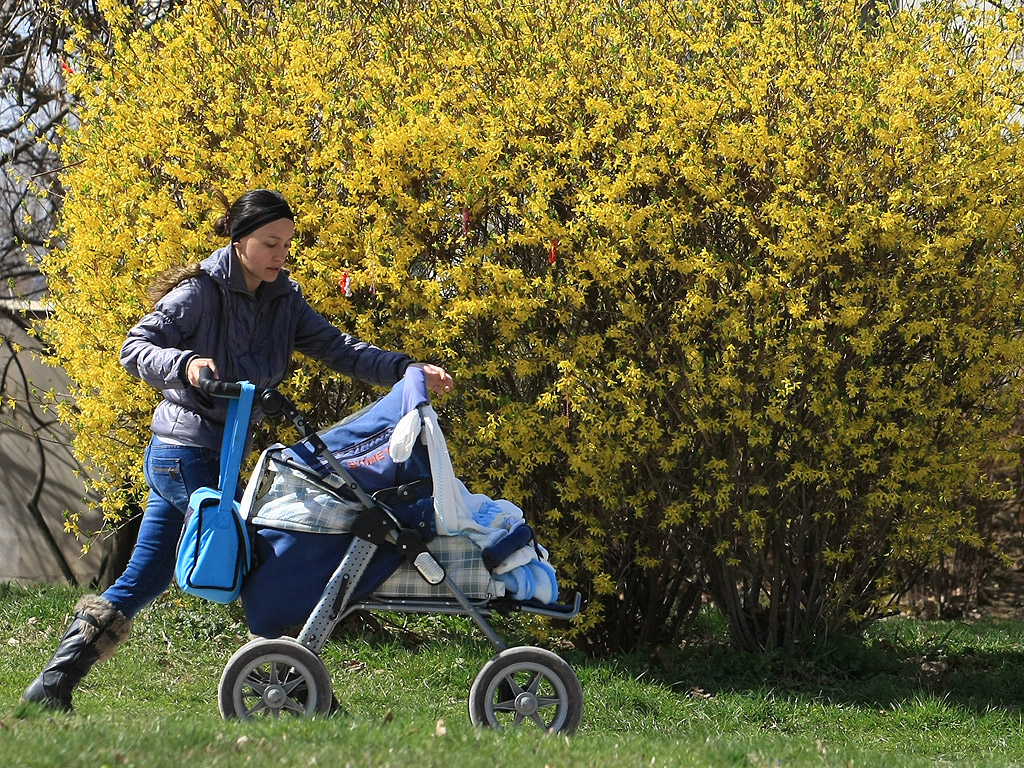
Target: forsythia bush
x,y
733,290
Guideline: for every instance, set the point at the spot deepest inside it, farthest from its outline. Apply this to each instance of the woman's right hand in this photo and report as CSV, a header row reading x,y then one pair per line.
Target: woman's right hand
x,y
195,365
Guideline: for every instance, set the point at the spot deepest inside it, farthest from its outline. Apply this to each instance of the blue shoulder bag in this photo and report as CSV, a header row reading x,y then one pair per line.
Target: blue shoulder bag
x,y
214,552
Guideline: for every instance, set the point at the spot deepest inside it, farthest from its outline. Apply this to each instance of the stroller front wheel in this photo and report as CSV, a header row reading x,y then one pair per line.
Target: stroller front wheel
x,y
268,678
527,685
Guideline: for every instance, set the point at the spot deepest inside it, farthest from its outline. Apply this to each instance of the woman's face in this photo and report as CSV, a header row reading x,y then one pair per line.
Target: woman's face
x,y
263,252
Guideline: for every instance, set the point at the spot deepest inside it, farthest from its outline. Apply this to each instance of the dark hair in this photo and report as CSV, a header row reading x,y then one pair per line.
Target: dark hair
x,y
250,212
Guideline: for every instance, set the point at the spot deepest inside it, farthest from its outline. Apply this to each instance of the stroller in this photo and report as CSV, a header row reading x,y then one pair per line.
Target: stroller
x,y
367,515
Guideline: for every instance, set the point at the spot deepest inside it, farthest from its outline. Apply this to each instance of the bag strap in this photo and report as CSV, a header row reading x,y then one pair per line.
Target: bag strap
x,y
236,434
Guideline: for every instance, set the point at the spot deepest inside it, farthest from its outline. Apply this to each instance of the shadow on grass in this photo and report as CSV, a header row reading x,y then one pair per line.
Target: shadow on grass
x,y
978,667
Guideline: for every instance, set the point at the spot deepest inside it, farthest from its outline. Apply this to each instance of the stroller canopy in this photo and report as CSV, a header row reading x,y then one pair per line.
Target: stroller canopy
x,y
360,441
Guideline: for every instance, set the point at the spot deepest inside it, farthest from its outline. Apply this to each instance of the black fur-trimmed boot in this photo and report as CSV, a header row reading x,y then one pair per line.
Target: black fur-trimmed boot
x,y
94,633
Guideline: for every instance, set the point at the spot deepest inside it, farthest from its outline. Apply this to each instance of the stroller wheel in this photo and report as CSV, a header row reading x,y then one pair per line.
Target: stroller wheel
x,y
527,685
268,678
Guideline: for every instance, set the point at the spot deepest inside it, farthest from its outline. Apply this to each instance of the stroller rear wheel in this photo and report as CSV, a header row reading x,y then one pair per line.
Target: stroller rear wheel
x,y
527,685
268,678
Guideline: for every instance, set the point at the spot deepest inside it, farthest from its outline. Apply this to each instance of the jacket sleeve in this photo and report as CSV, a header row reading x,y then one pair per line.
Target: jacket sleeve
x,y
153,350
346,354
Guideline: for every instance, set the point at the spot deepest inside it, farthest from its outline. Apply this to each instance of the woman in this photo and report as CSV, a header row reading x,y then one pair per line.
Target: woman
x,y
239,315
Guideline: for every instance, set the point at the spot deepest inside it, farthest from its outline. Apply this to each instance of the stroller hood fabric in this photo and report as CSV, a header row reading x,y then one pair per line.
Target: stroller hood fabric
x,y
360,442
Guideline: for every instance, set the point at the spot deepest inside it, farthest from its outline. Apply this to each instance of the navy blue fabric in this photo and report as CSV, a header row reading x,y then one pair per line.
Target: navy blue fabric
x,y
360,442
292,568
517,538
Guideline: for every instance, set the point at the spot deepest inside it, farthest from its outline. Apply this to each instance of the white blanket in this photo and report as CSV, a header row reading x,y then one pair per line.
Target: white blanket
x,y
457,512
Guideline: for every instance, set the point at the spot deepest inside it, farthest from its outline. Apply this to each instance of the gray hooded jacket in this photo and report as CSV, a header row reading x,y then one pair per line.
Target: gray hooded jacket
x,y
249,337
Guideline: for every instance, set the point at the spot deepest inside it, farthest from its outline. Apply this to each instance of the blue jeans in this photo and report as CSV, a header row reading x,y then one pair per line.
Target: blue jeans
x,y
173,473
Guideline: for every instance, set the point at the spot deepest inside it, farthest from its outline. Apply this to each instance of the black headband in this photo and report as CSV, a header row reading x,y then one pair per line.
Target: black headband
x,y
248,224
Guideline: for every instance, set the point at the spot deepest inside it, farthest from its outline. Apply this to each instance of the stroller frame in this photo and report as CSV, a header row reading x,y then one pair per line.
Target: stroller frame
x,y
270,677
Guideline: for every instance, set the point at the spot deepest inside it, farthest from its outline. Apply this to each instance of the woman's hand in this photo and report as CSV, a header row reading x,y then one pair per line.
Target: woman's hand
x,y
195,365
437,378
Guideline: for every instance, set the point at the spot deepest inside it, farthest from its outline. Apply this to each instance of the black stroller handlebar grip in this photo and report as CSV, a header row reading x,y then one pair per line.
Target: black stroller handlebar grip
x,y
217,388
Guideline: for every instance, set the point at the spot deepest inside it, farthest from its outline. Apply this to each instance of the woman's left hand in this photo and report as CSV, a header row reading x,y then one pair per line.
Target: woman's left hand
x,y
438,379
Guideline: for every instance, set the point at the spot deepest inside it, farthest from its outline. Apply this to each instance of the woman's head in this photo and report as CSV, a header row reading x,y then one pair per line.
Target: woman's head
x,y
261,226
251,211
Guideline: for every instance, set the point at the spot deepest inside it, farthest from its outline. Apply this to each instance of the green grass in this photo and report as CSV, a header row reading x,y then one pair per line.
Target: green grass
x,y
912,694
